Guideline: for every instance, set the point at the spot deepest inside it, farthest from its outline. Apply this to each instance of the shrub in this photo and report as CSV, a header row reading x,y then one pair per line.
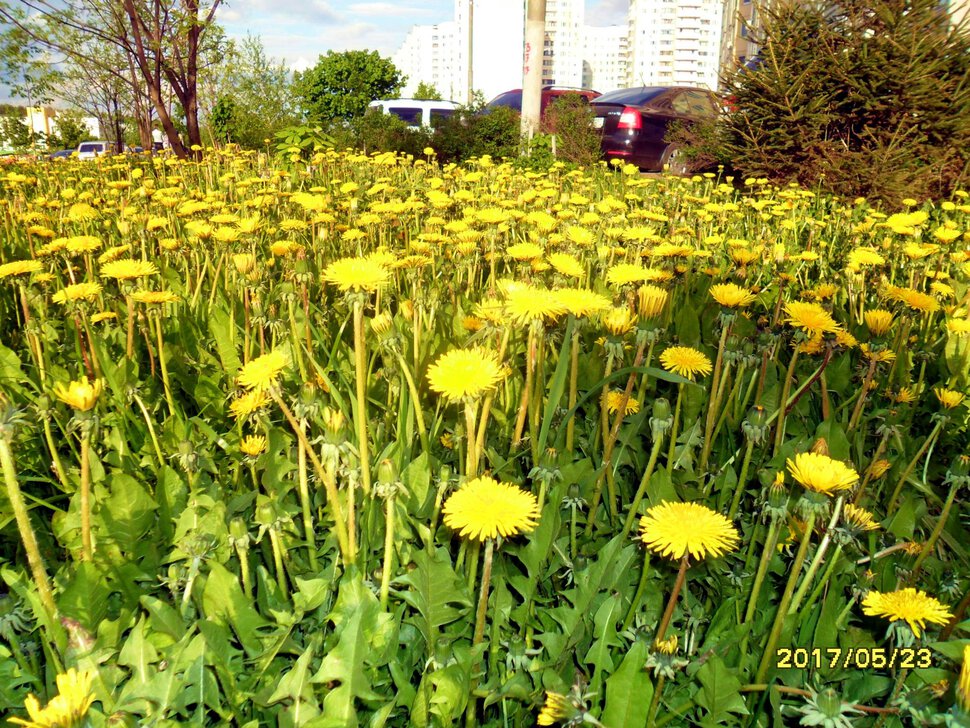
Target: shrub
x,y
570,119
376,131
869,98
473,132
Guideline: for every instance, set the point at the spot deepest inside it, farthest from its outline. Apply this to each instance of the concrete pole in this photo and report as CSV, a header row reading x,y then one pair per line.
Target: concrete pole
x,y
532,58
471,48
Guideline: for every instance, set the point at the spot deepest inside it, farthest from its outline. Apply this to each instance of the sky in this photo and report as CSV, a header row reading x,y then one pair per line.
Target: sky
x,y
297,31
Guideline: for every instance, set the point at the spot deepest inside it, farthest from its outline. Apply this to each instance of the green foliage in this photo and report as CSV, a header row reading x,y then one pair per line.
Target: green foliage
x,y
341,85
302,140
376,131
427,92
70,130
223,118
474,133
570,119
254,96
863,98
15,132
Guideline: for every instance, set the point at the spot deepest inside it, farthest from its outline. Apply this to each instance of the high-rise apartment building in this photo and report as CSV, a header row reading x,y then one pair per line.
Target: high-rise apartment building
x,y
497,38
562,56
674,42
605,57
428,55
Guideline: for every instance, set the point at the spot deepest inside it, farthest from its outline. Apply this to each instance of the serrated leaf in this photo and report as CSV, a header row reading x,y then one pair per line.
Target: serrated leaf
x,y
128,512
223,598
436,592
629,690
720,693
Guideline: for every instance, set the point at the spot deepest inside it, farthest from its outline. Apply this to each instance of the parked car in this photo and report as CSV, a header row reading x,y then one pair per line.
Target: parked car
x,y
90,150
417,113
62,154
634,122
513,98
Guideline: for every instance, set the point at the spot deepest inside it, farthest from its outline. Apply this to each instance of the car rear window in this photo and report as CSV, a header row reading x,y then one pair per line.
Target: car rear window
x,y
512,99
406,114
439,115
629,96
89,147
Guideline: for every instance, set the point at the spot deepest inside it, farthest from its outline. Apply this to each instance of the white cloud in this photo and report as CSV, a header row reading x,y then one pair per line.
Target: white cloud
x,y
606,12
380,9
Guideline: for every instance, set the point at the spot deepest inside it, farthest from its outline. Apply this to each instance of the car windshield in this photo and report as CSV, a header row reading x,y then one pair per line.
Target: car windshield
x,y
512,99
630,96
90,147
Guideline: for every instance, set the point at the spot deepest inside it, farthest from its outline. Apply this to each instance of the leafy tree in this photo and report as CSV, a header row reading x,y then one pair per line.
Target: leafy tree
x,y
868,98
162,43
427,92
258,89
14,132
341,85
71,130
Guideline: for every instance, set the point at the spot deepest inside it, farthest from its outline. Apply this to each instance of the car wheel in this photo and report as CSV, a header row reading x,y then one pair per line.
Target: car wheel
x,y
673,161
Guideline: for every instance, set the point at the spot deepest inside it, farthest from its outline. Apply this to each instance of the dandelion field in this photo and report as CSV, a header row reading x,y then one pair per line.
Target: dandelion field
x,y
365,440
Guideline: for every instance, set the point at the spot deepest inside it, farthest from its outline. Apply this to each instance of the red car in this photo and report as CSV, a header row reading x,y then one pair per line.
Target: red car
x,y
513,98
634,122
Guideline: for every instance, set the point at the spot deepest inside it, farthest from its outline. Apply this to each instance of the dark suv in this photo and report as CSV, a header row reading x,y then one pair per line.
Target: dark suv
x,y
513,98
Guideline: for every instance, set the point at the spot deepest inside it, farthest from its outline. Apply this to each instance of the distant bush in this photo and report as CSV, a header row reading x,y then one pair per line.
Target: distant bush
x,y
376,131
570,119
865,98
475,132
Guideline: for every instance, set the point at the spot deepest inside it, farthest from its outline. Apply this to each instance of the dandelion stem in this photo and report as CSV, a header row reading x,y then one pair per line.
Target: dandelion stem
x,y
163,365
714,403
826,575
87,550
641,586
674,428
644,482
27,535
767,552
672,601
935,535
573,388
930,439
742,480
479,635
360,365
326,476
817,559
305,505
783,402
768,655
389,513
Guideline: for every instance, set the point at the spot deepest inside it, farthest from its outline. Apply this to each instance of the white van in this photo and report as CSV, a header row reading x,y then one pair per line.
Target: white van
x,y
90,150
417,113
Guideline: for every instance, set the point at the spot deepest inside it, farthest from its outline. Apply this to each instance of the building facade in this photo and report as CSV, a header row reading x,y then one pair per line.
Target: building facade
x,y
605,58
674,42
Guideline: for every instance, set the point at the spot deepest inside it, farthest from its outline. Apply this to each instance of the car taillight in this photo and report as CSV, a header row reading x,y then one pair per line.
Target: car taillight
x,y
629,119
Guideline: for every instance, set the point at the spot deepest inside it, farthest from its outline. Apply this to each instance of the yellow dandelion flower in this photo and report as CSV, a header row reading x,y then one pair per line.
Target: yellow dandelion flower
x,y
154,297
244,262
957,327
83,244
863,257
484,508
581,302
820,473
103,316
252,445
878,468
905,395
879,321
113,254
67,709
618,321
465,373
82,395
949,398
78,292
263,371
731,295
356,274
686,361
613,400
912,606
248,404
19,268
526,304
651,301
923,302
810,318
624,274
676,529
859,518
556,709
667,646
566,265
82,212
128,269
525,251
